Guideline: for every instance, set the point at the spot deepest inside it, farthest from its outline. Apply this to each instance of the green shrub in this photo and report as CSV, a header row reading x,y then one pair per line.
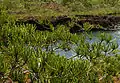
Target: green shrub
x,y
22,48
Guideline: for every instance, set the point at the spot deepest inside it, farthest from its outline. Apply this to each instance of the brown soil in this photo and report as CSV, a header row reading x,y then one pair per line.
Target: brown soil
x,y
108,22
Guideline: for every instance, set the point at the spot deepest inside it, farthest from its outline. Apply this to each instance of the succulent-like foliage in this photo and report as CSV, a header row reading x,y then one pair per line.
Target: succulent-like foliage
x,y
28,55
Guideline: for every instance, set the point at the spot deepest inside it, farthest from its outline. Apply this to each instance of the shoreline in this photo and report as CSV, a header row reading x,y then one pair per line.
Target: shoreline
x,y
108,22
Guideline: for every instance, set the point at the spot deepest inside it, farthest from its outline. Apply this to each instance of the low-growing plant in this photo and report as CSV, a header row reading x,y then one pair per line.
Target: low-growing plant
x,y
27,54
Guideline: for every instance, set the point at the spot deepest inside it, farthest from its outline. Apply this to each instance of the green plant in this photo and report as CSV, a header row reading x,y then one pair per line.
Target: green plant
x,y
23,48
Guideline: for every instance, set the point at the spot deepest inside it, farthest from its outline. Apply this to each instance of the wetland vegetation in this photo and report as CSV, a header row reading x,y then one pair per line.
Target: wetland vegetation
x,y
31,31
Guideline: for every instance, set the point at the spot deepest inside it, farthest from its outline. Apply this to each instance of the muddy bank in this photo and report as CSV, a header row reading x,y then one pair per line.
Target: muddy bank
x,y
107,22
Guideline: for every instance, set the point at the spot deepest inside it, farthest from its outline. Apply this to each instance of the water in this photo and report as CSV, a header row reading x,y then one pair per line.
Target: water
x,y
69,53
115,36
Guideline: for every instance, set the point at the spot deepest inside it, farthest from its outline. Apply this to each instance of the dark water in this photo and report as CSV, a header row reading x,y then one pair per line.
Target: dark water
x,y
115,36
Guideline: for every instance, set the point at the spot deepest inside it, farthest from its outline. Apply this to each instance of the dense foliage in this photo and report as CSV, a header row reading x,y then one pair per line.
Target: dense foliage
x,y
30,55
60,7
